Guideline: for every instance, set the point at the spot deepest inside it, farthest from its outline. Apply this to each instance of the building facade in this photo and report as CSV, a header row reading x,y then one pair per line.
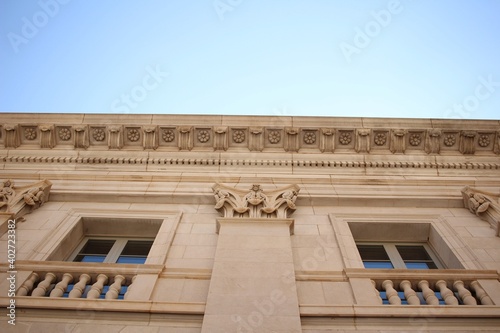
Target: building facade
x,y
156,223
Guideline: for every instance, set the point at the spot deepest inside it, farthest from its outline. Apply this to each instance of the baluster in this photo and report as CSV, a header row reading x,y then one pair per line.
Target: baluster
x,y
464,294
410,294
41,289
27,286
96,289
429,295
79,288
376,292
60,288
446,293
114,289
481,294
392,294
129,288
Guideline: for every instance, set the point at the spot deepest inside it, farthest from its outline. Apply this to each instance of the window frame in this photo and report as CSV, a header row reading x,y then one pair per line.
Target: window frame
x,y
116,250
395,257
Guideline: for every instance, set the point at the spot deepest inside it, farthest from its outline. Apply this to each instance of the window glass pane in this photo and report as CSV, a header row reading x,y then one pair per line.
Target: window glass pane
x,y
135,252
374,256
415,257
95,250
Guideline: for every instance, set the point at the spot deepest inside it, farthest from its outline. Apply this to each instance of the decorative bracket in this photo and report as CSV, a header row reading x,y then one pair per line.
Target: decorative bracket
x,y
484,204
22,200
254,203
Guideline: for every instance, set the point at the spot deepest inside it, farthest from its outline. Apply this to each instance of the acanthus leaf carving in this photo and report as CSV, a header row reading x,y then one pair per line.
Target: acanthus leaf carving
x,y
21,200
485,205
255,203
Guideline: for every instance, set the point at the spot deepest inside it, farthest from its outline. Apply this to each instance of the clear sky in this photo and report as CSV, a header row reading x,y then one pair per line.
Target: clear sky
x,y
379,58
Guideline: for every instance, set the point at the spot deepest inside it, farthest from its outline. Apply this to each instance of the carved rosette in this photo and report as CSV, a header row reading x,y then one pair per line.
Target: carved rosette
x,y
467,145
115,137
47,136
150,137
221,139
398,142
256,139
291,142
327,140
363,141
12,139
255,203
21,200
81,136
185,137
432,141
484,204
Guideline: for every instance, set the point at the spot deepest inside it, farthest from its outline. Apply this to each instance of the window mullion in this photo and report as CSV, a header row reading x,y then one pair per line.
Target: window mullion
x,y
394,255
115,251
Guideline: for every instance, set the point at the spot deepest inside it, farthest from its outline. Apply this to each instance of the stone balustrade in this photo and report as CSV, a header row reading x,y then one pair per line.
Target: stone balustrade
x,y
76,285
431,292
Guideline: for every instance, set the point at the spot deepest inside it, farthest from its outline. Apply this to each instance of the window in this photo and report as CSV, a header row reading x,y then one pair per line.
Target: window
x,y
113,250
397,255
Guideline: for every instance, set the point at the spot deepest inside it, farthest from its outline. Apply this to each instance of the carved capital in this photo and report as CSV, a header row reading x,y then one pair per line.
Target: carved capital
x,y
484,204
21,200
255,203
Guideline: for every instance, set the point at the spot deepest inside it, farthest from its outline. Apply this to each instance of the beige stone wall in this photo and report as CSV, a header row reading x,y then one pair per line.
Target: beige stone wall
x,y
338,188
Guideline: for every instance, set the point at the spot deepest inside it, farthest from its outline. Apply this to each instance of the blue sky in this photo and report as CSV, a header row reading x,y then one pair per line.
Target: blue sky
x,y
407,58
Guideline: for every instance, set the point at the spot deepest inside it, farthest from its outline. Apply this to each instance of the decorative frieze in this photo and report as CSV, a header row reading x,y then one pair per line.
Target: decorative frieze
x,y
224,138
255,203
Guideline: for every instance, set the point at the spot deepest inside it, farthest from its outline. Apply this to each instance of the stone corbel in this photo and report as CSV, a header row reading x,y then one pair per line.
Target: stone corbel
x,y
21,200
185,137
12,139
47,136
150,137
467,144
256,139
432,141
291,139
484,204
81,136
221,139
362,141
327,140
115,137
255,203
398,142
